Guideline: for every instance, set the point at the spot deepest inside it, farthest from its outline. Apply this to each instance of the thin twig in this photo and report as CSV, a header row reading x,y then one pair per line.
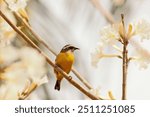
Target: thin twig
x,y
103,11
81,78
124,68
75,84
124,60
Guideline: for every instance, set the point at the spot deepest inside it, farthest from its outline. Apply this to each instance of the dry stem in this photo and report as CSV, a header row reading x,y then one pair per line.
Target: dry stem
x,y
124,60
48,60
124,68
81,78
111,95
27,91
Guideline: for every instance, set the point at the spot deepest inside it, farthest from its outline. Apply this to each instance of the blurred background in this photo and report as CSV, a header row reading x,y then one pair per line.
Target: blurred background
x,y
78,22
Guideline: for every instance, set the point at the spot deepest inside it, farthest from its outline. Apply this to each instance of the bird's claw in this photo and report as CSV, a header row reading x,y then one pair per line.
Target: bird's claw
x,y
70,78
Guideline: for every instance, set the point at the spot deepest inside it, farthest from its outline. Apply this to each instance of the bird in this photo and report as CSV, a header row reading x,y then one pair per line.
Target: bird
x,y
64,60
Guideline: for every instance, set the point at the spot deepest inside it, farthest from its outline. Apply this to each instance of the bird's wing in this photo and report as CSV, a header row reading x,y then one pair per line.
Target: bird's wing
x,y
56,72
57,62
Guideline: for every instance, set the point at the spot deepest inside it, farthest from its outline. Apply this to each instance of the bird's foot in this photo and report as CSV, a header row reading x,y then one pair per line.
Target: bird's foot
x,y
70,78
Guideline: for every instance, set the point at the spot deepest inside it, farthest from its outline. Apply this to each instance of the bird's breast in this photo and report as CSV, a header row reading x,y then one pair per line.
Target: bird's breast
x,y
65,61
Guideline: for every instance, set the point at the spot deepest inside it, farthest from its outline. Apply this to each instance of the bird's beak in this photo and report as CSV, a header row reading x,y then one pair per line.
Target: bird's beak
x,y
76,48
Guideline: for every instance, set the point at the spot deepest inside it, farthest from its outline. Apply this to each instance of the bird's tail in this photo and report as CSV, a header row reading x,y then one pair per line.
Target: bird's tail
x,y
57,85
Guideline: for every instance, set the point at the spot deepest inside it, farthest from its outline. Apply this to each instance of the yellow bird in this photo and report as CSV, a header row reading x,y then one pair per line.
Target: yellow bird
x,y
64,60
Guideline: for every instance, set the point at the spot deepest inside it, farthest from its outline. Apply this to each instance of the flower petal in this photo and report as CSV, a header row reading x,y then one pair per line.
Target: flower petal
x,y
97,54
109,35
129,33
142,28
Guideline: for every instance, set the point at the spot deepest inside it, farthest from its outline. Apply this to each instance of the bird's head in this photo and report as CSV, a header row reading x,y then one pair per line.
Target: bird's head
x,y
68,48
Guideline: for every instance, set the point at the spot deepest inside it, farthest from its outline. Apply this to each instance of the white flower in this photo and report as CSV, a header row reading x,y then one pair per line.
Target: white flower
x,y
40,81
34,62
30,86
14,78
109,35
142,56
7,34
14,72
142,29
8,55
97,54
143,63
9,91
30,65
16,5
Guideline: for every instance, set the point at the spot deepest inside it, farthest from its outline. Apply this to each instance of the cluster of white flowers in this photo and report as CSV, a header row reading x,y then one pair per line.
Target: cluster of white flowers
x,y
142,29
25,59
8,55
21,65
142,56
7,34
17,64
16,5
110,36
143,59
